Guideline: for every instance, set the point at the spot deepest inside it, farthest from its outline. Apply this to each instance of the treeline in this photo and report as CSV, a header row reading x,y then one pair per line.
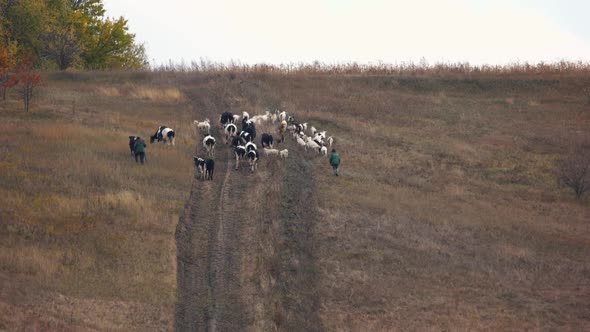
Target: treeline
x,y
62,34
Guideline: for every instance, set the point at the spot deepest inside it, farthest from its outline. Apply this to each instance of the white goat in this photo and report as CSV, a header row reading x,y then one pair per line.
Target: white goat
x,y
330,140
313,130
271,152
284,153
312,145
203,126
283,116
324,151
300,141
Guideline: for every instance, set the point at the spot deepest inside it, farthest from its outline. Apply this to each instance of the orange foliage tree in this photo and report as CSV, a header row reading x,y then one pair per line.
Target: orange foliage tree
x,y
27,78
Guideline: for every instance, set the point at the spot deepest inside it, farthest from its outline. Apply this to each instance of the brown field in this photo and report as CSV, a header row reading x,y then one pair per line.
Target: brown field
x,y
447,215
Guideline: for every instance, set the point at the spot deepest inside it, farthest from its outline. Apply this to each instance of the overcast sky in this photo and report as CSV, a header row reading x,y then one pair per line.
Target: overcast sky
x,y
366,31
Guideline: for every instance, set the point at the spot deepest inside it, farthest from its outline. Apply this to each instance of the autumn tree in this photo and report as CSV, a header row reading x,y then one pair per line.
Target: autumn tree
x,y
72,24
26,24
70,33
27,79
112,46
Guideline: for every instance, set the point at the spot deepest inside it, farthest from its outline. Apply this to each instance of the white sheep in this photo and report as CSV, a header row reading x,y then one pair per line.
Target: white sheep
x,y
284,153
324,151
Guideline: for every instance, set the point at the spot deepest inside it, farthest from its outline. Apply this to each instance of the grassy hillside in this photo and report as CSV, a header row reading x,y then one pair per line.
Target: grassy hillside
x,y
448,214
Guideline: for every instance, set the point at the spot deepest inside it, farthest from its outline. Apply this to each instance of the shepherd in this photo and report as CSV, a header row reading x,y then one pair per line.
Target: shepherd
x,y
335,162
139,150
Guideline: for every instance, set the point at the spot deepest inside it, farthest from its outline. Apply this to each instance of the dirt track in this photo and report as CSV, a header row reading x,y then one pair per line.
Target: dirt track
x,y
218,232
208,253
240,231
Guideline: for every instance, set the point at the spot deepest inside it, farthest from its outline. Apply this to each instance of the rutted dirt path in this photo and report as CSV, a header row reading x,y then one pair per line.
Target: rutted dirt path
x,y
208,253
245,258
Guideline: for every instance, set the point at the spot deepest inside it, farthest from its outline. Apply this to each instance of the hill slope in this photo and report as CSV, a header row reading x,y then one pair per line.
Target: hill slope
x,y
447,214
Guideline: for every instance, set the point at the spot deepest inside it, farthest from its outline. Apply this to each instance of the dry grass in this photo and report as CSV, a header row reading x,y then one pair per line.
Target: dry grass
x,y
447,216
80,218
153,94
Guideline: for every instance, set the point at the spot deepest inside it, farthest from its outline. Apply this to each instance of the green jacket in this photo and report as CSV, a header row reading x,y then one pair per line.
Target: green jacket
x,y
139,146
334,159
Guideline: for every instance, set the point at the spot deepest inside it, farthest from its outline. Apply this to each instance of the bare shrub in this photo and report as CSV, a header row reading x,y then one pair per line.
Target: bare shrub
x,y
574,171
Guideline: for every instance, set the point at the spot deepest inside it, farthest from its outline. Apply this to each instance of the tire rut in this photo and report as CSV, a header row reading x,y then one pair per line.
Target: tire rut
x,y
209,256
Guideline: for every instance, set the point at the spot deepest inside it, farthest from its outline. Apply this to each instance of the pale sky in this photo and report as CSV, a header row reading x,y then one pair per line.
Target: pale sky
x,y
365,31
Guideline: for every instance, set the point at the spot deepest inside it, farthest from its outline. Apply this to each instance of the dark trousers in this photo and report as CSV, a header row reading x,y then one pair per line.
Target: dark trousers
x,y
140,156
335,169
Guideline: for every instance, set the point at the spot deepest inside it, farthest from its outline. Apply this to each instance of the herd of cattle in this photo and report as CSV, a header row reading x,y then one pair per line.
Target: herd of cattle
x,y
242,141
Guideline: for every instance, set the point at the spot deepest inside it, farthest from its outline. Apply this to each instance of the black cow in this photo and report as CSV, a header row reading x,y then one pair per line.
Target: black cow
x,y
132,140
266,140
226,117
236,141
209,168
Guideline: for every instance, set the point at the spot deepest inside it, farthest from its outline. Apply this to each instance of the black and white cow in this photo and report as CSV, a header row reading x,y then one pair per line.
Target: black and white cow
x,y
250,128
209,168
230,130
209,144
200,165
250,146
226,117
266,140
164,134
236,141
132,140
245,137
240,153
252,156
